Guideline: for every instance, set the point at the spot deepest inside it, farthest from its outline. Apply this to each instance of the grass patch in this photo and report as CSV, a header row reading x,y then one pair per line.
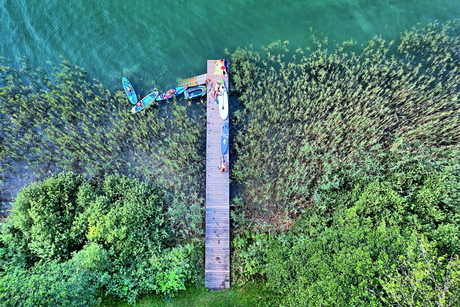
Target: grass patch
x,y
251,295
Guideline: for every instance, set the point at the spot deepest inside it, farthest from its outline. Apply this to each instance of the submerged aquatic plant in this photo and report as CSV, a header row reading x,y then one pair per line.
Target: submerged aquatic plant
x,y
327,108
67,122
302,113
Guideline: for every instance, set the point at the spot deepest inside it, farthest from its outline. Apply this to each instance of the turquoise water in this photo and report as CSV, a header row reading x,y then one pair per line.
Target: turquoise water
x,y
152,41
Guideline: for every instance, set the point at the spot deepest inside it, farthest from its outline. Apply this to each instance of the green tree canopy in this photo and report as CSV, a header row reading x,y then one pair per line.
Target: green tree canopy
x,y
42,224
112,230
386,231
52,219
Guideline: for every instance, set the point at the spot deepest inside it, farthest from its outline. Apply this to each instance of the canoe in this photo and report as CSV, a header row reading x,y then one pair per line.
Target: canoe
x,y
171,93
129,90
224,138
223,102
195,92
145,102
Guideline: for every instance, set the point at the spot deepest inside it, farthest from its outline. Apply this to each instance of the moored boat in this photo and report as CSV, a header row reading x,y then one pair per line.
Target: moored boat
x,y
145,102
171,93
129,90
224,133
195,92
223,102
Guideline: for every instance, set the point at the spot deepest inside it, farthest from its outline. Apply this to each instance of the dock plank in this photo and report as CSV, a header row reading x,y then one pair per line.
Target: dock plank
x,y
201,79
217,245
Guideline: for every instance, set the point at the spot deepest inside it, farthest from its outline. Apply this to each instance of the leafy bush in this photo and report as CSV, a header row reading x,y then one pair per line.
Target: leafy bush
x,y
42,221
422,278
48,284
248,257
113,230
373,236
127,218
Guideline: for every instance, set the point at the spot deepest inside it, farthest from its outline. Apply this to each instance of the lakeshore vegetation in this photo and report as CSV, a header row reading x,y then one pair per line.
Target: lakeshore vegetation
x,y
345,180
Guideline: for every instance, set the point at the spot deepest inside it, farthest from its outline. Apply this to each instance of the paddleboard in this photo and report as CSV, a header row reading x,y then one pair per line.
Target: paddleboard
x,y
224,138
129,90
171,93
223,102
145,102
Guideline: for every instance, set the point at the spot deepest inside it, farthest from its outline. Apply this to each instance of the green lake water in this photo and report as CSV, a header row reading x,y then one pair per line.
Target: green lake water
x,y
152,41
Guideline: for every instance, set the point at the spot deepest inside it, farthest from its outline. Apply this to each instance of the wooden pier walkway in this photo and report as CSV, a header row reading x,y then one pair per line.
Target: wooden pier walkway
x,y
201,79
217,258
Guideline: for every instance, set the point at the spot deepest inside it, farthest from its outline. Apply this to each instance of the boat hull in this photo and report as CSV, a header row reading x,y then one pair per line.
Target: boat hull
x,y
195,92
166,95
131,94
223,102
225,131
146,101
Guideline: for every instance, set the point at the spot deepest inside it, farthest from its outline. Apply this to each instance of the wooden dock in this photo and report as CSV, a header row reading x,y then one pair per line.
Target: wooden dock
x,y
217,258
201,79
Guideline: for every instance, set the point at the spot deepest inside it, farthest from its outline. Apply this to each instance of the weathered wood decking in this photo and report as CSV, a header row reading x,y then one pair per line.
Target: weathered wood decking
x,y
217,259
201,79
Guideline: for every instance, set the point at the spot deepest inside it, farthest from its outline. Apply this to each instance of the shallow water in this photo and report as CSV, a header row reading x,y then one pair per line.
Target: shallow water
x,y
160,41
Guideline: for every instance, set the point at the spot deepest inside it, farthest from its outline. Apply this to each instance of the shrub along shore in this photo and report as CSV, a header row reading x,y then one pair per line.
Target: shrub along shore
x,y
345,183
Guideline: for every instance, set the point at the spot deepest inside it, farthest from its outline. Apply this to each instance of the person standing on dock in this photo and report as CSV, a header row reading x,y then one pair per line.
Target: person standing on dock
x,y
223,165
223,67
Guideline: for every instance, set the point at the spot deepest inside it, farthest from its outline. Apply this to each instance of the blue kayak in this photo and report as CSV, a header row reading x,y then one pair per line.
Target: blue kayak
x,y
129,90
145,102
171,93
224,138
195,92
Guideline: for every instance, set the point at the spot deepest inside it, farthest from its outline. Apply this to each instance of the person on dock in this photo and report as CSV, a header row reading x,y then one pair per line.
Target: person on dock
x,y
223,165
209,85
216,91
223,67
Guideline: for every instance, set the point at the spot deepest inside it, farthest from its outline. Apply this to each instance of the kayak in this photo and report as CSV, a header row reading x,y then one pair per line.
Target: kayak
x,y
171,93
145,102
224,138
195,92
223,102
129,90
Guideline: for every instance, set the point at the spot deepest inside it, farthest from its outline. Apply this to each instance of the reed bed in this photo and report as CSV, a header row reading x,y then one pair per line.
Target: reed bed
x,y
66,122
300,113
308,111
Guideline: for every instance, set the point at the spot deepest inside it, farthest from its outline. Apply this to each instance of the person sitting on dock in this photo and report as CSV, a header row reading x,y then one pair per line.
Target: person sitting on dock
x,y
216,91
209,85
223,165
